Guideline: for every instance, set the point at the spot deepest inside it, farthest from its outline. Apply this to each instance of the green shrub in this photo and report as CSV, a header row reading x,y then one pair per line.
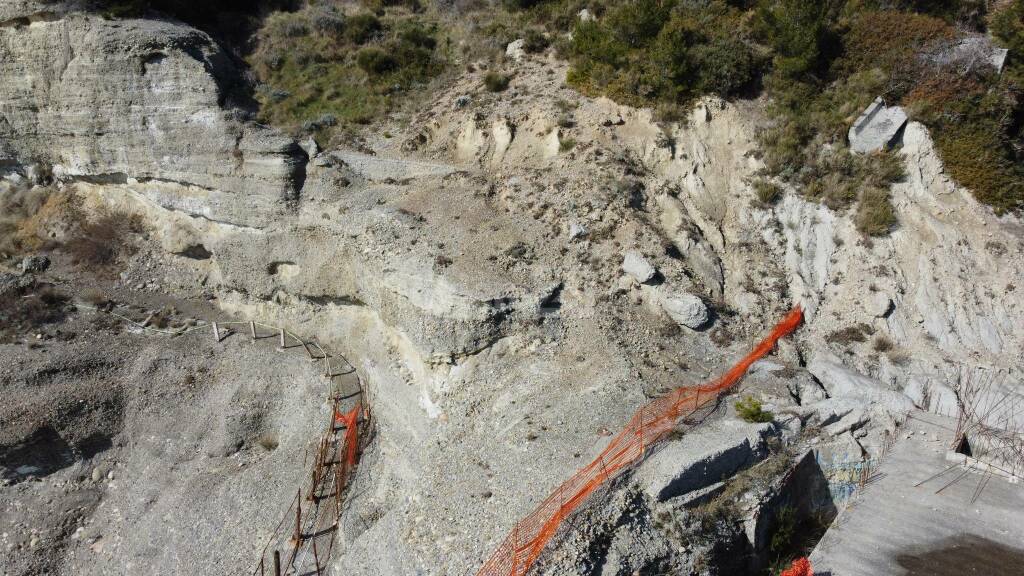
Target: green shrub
x,y
798,33
1007,26
766,192
749,409
636,23
360,28
328,21
342,70
974,155
783,531
534,41
496,81
655,53
376,61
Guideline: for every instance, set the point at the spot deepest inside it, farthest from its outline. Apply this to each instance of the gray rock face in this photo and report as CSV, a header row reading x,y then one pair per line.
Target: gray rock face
x,y
841,382
969,53
634,264
686,309
37,263
877,127
701,461
515,50
133,99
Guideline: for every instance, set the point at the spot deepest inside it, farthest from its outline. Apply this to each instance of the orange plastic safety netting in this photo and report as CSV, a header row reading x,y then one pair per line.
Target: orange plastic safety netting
x,y
799,567
351,440
650,424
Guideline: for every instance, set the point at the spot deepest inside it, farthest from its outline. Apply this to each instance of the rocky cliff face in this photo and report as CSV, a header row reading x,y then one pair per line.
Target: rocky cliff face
x,y
146,100
479,287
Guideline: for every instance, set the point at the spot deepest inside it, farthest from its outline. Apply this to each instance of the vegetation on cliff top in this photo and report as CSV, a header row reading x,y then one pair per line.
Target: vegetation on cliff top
x,y
322,64
321,67
820,63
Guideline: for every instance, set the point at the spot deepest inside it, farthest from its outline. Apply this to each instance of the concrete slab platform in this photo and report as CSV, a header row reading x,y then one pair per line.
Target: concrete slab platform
x,y
958,522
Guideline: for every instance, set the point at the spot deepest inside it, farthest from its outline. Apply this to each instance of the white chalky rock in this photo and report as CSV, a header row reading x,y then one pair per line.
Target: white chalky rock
x,y
686,309
515,50
634,264
880,304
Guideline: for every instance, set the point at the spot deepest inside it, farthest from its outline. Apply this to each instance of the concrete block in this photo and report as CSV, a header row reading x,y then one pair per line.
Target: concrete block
x,y
877,127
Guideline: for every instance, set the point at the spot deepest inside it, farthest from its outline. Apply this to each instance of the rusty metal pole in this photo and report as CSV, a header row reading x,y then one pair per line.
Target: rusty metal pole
x,y
337,492
277,563
312,492
298,518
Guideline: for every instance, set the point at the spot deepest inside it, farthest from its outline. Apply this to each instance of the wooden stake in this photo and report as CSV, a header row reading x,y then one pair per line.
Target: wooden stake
x,y
282,339
277,563
216,332
252,330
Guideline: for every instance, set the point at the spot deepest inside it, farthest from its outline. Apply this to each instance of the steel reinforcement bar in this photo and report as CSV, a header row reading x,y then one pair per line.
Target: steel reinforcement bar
x,y
524,544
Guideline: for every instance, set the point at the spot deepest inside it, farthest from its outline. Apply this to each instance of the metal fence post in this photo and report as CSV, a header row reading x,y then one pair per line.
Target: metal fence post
x,y
298,518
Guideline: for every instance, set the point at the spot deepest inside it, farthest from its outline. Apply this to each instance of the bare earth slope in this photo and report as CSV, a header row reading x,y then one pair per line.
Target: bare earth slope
x,y
472,268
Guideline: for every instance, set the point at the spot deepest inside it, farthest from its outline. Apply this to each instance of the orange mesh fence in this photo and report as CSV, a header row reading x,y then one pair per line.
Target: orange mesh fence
x,y
799,567
651,423
351,442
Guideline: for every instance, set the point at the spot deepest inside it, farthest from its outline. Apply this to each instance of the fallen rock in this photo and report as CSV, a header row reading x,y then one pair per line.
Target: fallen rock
x,y
686,309
842,382
880,305
636,265
310,146
12,283
34,264
830,410
851,421
719,451
577,230
515,50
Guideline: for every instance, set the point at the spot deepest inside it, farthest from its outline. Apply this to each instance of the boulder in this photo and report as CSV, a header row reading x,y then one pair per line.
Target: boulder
x,y
686,309
880,304
636,265
515,50
35,263
700,460
842,382
577,230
